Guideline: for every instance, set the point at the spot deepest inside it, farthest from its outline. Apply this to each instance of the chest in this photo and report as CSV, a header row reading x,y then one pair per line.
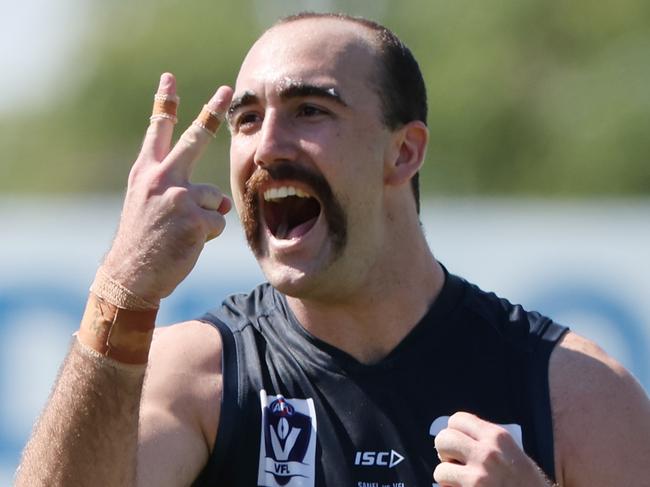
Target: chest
x,y
311,426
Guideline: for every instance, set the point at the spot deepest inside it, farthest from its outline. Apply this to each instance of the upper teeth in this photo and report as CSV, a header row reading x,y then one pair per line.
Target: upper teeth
x,y
283,192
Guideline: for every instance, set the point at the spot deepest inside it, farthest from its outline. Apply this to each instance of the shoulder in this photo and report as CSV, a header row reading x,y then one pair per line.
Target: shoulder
x,y
238,310
520,326
601,417
188,347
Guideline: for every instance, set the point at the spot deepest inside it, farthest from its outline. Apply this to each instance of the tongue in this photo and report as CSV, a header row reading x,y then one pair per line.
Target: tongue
x,y
285,233
303,228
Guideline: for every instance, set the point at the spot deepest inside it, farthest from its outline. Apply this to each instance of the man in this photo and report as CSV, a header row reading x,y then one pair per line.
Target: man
x,y
362,352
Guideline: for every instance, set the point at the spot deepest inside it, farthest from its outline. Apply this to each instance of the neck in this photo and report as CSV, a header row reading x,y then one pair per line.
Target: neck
x,y
369,323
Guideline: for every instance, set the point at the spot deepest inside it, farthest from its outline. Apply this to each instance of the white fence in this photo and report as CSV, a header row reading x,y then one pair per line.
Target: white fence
x,y
584,264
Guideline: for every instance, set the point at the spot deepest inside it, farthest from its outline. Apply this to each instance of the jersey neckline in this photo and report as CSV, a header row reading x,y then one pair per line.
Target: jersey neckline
x,y
311,349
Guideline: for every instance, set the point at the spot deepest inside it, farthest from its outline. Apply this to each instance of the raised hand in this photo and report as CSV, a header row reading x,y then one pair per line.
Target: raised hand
x,y
166,219
477,453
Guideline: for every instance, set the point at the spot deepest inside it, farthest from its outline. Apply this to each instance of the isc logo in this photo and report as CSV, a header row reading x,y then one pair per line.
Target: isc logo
x,y
378,458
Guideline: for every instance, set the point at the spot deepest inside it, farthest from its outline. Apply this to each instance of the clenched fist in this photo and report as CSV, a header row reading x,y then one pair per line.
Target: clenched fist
x,y
166,220
476,453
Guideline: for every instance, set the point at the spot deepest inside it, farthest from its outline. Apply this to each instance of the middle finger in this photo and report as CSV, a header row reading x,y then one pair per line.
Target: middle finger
x,y
182,158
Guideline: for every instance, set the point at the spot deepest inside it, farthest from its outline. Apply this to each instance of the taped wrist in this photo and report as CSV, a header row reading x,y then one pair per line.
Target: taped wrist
x,y
120,334
113,292
101,361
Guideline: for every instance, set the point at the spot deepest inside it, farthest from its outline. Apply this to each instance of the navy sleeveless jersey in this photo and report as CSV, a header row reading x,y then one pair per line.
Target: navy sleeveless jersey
x,y
299,412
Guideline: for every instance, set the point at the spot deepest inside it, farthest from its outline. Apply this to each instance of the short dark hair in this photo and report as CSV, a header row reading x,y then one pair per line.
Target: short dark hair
x,y
400,87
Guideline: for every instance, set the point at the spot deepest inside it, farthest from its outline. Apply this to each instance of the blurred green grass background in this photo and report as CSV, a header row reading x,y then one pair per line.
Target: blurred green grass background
x,y
527,97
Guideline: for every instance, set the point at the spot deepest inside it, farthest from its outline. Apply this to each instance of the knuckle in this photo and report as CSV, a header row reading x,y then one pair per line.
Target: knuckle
x,y
443,475
481,478
478,476
137,170
458,417
454,417
490,456
176,196
440,440
437,473
194,222
157,182
147,177
501,436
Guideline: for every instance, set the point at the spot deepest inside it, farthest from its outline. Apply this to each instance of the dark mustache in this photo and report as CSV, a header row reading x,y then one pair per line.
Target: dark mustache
x,y
332,209
288,171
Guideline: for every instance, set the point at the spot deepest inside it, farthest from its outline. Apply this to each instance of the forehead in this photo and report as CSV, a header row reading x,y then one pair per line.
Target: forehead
x,y
327,52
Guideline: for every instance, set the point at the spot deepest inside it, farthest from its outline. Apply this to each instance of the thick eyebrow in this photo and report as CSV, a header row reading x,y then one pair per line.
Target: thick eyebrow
x,y
293,90
245,99
300,90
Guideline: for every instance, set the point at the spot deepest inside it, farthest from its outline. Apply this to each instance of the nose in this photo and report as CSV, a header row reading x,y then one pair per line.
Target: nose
x,y
275,141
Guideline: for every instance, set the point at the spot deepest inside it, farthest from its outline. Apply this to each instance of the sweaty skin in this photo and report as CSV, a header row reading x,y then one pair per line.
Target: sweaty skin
x,y
385,270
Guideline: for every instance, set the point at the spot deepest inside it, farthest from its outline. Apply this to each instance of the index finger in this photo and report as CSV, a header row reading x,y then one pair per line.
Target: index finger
x,y
468,423
195,139
478,428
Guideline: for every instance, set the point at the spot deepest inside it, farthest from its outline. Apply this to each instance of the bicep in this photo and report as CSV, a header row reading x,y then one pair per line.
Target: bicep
x,y
180,405
170,453
601,417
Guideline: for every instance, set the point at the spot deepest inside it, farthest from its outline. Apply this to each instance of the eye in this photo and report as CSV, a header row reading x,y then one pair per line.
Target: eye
x,y
246,121
311,111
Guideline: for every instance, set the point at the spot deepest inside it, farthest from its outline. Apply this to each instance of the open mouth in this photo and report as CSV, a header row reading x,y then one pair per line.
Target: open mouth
x,y
289,212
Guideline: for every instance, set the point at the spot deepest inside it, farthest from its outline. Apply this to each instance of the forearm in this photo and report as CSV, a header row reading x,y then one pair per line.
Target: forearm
x,y
88,433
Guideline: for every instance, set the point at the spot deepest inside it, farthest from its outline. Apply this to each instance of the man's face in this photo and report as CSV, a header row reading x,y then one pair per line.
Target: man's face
x,y
307,154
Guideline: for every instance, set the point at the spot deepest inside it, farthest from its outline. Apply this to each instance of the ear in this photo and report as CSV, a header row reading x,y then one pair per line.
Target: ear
x,y
406,154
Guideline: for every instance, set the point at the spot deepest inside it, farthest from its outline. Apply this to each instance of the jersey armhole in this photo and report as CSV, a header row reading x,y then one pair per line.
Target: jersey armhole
x,y
230,406
539,394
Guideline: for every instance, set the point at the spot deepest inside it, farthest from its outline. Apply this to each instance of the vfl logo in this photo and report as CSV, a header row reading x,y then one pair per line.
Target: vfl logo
x,y
287,442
